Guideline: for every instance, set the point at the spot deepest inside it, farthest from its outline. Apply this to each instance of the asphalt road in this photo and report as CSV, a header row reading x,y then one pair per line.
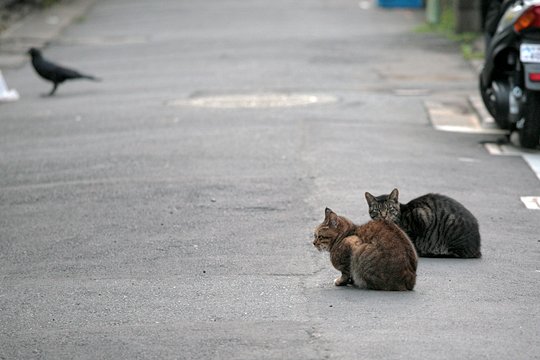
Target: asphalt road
x,y
167,212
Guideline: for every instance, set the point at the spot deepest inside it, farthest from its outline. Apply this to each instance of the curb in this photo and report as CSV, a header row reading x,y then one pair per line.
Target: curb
x,y
37,30
475,101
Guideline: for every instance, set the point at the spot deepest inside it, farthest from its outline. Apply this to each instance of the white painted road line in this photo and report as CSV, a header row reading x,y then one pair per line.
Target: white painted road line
x,y
503,149
531,202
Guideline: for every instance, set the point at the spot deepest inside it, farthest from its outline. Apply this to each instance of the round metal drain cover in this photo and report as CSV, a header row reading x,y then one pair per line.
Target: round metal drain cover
x,y
249,101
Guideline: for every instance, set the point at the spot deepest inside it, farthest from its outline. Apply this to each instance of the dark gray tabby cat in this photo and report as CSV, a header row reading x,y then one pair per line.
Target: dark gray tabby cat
x,y
437,225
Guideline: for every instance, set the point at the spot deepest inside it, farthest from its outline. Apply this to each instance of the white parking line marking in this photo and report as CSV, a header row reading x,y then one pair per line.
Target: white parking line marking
x,y
467,129
531,202
502,150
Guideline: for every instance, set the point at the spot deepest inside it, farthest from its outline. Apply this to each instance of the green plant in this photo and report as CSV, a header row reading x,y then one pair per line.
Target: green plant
x,y
446,28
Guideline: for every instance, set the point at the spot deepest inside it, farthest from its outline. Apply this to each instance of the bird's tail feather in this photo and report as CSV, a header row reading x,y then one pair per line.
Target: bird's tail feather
x,y
91,77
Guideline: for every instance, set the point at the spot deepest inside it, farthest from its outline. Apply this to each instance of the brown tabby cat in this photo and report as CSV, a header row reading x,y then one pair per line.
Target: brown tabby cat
x,y
377,255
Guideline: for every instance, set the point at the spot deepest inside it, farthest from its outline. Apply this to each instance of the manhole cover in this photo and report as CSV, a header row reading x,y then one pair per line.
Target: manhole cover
x,y
248,101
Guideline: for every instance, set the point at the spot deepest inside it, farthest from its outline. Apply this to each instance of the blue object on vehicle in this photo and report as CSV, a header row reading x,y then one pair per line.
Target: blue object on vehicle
x,y
401,3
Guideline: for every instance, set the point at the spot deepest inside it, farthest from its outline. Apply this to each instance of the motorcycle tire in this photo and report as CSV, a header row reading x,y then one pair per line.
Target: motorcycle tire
x,y
529,133
499,107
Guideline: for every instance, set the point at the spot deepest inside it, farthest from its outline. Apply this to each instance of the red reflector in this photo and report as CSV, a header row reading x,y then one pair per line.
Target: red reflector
x,y
534,76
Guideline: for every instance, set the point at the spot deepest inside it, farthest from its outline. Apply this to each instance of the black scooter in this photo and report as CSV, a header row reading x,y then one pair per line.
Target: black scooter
x,y
510,79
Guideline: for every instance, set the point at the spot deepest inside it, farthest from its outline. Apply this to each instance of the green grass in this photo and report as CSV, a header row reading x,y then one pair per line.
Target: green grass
x,y
470,53
446,28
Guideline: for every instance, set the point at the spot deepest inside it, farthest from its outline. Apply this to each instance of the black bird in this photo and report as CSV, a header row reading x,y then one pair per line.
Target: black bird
x,y
55,73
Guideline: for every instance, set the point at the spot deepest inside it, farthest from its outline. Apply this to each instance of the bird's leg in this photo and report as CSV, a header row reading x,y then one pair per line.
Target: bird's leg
x,y
53,89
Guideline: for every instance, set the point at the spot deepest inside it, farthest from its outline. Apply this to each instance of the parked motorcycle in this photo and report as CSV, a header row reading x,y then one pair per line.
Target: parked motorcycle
x,y
510,79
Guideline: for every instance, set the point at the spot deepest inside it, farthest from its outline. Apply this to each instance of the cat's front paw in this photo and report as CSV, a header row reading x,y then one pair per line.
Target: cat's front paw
x,y
342,281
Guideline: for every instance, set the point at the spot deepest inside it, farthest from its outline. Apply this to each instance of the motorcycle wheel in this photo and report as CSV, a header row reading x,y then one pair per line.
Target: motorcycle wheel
x,y
529,133
495,99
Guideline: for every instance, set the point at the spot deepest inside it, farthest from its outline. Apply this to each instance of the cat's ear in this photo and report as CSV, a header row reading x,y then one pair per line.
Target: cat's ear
x,y
370,198
333,220
394,195
327,212
330,218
